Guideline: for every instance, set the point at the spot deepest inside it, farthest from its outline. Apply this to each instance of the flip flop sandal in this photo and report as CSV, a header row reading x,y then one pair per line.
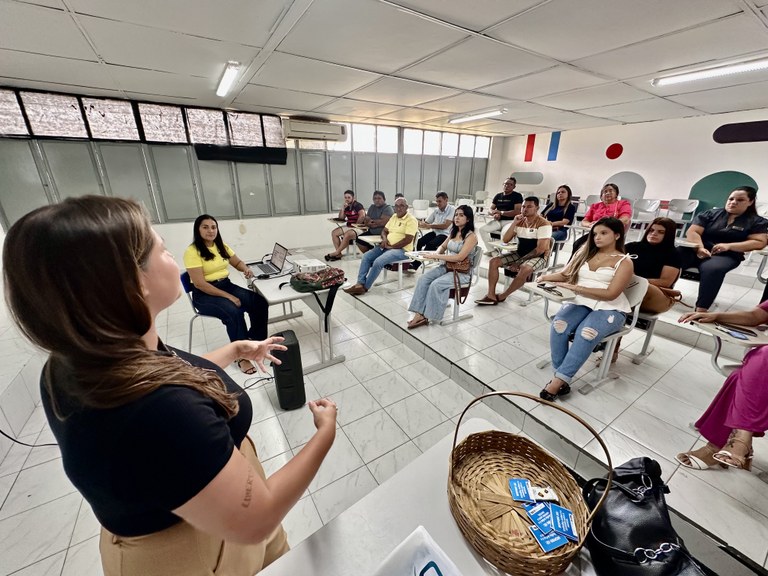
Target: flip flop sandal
x,y
249,371
419,322
485,301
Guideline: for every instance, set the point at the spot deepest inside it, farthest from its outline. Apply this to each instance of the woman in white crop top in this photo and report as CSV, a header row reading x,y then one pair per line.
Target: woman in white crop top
x,y
598,274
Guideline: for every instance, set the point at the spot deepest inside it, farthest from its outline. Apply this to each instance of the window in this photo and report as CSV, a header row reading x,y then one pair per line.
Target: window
x,y
364,137
245,129
162,123
432,143
412,141
11,120
386,139
110,119
466,146
54,115
482,147
346,145
273,131
207,126
450,145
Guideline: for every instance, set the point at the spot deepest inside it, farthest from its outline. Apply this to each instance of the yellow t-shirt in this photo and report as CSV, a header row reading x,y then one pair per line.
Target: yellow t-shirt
x,y
399,228
216,269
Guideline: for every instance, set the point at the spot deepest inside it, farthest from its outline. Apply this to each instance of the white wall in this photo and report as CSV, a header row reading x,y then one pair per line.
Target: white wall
x,y
672,155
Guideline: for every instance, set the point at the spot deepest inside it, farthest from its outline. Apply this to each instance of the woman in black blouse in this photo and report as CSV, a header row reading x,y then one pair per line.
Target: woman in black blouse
x,y
722,235
155,439
560,212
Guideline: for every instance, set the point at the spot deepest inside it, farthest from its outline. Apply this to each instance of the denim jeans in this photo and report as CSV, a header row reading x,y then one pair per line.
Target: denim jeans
x,y
588,326
231,316
374,261
432,291
560,235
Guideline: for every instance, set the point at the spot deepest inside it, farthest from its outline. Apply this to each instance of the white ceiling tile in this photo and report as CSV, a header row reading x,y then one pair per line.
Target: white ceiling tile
x,y
557,79
297,73
731,99
467,102
653,108
553,118
153,49
154,82
484,13
706,44
761,2
413,115
401,92
84,90
475,62
41,68
566,30
58,4
240,21
594,96
366,34
266,96
348,107
41,30
644,83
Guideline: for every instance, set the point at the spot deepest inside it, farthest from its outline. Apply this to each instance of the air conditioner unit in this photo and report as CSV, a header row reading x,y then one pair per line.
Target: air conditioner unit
x,y
313,130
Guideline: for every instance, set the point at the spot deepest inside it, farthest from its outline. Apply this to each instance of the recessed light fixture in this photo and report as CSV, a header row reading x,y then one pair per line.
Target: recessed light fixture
x,y
488,114
736,68
228,78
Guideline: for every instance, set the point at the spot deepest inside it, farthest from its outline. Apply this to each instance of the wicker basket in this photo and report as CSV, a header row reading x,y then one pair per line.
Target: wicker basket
x,y
495,525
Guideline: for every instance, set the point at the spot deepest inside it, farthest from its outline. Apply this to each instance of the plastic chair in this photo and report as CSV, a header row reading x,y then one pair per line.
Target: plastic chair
x,y
682,211
643,213
187,284
477,256
480,197
420,208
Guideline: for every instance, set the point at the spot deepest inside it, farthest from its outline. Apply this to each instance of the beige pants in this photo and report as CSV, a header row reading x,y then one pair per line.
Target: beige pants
x,y
182,550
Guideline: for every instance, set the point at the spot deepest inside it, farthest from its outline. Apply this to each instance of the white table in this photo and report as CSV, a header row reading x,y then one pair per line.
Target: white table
x,y
273,294
712,328
685,243
360,538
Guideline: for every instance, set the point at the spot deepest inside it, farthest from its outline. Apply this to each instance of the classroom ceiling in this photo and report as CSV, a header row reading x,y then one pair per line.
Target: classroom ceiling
x,y
553,64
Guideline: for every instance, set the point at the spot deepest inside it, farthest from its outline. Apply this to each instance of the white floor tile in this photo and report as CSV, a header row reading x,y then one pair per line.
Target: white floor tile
x,y
374,435
50,566
415,415
36,486
422,374
483,368
390,463
399,356
354,403
431,437
334,378
452,349
86,526
379,340
389,388
337,497
366,367
654,433
341,459
269,439
302,521
667,408
449,397
83,559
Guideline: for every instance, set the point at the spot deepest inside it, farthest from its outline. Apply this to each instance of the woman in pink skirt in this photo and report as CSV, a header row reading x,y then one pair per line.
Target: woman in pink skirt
x,y
739,412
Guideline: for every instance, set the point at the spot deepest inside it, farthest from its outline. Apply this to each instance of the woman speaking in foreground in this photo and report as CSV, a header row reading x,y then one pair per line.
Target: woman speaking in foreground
x,y
152,437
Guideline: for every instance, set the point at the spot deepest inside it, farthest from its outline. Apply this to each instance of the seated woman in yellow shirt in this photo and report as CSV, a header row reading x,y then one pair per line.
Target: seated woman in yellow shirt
x,y
207,261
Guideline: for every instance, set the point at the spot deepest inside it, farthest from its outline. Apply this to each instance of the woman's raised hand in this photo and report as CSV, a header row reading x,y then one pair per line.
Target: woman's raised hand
x,y
258,351
324,412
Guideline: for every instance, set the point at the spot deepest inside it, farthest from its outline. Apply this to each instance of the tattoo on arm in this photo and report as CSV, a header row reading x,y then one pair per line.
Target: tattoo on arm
x,y
248,490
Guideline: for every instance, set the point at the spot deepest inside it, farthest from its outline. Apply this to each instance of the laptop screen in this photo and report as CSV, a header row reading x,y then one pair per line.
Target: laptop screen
x,y
278,256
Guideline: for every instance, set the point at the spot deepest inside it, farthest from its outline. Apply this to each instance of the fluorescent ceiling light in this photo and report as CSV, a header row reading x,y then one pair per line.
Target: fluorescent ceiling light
x,y
715,72
228,78
488,114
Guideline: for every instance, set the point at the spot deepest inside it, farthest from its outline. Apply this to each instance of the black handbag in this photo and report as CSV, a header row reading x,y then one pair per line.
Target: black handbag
x,y
632,534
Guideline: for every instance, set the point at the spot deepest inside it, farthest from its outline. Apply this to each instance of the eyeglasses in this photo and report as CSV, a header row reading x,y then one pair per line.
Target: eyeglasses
x,y
550,289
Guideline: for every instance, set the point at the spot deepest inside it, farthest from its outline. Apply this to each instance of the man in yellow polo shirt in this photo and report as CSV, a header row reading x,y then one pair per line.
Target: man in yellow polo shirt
x,y
396,239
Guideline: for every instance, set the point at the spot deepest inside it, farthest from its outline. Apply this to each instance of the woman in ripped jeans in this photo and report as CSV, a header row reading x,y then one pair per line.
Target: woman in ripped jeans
x,y
598,275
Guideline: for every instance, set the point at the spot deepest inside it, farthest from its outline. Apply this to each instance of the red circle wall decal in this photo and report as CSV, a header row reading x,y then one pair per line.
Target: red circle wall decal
x,y
614,151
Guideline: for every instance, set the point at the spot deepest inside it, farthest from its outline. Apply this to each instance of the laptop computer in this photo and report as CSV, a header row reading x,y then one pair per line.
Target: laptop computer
x,y
276,262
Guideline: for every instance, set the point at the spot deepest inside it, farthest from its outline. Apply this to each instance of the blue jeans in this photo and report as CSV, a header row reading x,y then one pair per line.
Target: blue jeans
x,y
560,235
231,316
432,291
588,326
374,261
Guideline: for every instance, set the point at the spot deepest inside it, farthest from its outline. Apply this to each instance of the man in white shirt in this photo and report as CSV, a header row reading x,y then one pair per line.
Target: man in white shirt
x,y
438,223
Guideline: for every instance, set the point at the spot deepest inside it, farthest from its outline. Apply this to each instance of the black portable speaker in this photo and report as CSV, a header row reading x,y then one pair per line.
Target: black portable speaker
x,y
289,376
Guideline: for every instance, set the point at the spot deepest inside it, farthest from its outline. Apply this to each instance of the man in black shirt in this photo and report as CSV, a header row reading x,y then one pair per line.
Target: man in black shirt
x,y
505,206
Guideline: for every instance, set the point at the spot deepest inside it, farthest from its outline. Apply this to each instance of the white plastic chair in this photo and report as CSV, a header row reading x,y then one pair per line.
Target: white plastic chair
x,y
682,211
420,208
644,212
477,256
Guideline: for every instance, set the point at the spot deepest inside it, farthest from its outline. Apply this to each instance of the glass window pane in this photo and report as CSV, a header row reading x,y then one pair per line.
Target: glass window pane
x,y
447,177
432,143
217,188
365,174
412,168
467,146
72,168
450,145
478,174
429,179
11,120
482,147
463,178
207,126
412,141
126,174
273,131
386,139
387,182
364,137
245,129
177,191
341,178
54,115
162,123
19,172
314,182
252,182
346,145
111,119
284,186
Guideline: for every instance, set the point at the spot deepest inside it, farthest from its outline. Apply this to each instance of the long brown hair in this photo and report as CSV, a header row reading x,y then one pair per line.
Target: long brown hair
x,y
73,286
670,231
590,249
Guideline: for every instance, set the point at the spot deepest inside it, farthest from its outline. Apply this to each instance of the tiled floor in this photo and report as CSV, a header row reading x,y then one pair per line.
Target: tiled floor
x,y
398,394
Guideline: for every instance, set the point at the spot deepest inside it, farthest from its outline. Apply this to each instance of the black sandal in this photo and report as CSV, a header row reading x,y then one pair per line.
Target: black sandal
x,y
564,390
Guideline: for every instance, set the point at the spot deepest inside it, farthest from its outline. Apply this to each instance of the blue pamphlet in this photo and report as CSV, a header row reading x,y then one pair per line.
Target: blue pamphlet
x,y
562,522
521,490
548,542
541,516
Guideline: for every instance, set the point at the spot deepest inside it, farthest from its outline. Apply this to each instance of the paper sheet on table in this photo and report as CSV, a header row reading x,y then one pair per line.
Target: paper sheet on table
x,y
417,555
